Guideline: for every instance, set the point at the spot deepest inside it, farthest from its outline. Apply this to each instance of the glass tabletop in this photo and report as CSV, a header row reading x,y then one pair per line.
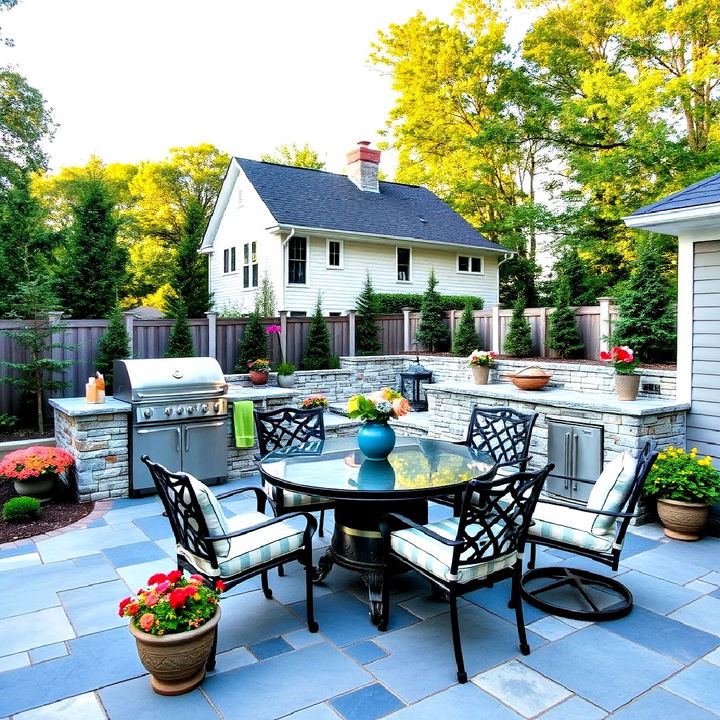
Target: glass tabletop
x,y
336,468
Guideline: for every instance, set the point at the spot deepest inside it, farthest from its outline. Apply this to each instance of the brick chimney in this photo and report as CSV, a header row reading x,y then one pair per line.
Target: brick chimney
x,y
362,167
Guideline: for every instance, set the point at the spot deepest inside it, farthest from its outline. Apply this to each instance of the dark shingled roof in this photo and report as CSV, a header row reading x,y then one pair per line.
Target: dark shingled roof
x,y
317,199
704,192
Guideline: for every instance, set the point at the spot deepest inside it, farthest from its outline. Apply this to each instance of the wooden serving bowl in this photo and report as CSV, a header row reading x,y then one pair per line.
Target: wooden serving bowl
x,y
530,378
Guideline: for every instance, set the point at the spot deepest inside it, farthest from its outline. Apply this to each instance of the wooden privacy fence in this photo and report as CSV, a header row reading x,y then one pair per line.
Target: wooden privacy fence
x,y
220,337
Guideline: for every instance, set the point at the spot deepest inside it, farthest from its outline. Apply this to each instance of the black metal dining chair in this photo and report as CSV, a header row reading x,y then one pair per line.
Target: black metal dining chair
x,y
231,549
480,547
280,428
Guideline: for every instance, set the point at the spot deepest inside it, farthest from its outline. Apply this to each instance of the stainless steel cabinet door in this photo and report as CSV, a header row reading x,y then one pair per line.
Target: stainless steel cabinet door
x,y
162,445
204,447
586,459
559,449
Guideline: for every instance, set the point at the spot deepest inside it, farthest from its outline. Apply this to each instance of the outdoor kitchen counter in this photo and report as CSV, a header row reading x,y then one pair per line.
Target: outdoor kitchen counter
x,y
75,407
238,391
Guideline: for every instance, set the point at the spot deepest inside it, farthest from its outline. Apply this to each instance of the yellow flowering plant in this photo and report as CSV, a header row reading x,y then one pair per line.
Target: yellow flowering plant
x,y
680,475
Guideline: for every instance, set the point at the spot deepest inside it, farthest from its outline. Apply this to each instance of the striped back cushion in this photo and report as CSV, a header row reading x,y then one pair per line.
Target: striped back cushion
x,y
213,514
611,490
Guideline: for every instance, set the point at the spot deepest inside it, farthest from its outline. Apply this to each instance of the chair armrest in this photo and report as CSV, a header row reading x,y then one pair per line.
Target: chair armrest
x,y
310,527
410,523
516,461
260,495
587,509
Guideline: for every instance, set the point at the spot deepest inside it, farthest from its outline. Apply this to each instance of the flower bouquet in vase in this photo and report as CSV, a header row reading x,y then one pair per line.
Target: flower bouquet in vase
x,y
480,362
376,438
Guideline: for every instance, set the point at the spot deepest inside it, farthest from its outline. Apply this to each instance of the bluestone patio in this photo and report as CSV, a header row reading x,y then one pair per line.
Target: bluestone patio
x,y
65,653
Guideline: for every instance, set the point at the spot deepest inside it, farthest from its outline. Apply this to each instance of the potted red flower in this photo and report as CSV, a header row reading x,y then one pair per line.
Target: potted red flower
x,y
174,622
624,363
34,470
259,371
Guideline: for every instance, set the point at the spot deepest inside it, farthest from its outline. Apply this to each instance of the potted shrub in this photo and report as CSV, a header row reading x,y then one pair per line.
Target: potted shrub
x,y
174,623
480,362
34,470
259,371
286,375
314,401
685,486
624,363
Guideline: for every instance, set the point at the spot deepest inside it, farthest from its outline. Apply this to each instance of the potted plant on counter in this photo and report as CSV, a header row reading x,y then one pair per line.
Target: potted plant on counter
x,y
480,362
624,363
285,371
174,622
685,486
259,371
34,470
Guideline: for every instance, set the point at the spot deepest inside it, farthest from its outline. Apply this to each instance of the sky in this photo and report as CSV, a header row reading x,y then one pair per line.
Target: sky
x,y
127,80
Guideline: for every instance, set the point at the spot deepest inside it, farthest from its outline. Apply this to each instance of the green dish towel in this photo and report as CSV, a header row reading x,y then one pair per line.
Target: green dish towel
x,y
243,424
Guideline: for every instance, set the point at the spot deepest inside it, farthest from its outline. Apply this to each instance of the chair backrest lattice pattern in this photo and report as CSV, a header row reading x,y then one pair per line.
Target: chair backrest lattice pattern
x,y
287,426
183,511
496,515
502,432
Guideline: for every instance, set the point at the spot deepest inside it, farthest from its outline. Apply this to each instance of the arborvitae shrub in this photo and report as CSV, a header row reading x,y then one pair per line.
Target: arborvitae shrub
x,y
563,333
21,509
180,342
432,332
365,326
518,341
466,337
113,345
317,346
253,344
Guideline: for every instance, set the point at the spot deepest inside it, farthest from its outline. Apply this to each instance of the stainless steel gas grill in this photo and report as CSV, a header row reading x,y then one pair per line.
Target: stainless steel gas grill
x,y
178,417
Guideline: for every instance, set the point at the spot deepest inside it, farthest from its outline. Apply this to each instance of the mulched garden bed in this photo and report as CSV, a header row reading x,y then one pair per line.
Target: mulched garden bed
x,y
58,512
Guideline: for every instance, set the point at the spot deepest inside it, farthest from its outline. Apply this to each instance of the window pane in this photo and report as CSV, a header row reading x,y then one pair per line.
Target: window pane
x,y
254,252
255,275
232,259
476,265
246,276
403,263
246,253
297,250
226,260
463,263
334,253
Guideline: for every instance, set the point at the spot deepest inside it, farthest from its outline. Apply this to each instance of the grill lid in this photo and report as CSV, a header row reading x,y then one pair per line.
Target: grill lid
x,y
167,378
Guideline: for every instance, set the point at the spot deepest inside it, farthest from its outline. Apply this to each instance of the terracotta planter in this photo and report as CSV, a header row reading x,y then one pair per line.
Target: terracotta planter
x,y
259,378
682,520
285,381
176,662
41,488
481,374
626,386
530,378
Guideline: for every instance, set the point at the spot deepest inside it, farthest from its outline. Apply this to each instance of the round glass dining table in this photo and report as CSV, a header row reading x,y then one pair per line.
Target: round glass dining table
x,y
365,490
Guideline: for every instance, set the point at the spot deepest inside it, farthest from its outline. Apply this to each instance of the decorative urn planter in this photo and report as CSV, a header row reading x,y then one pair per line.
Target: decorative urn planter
x,y
682,520
286,381
531,378
41,487
376,439
481,374
259,378
626,386
176,662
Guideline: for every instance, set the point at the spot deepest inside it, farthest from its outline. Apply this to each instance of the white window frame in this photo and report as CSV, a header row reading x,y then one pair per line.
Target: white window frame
x,y
470,271
249,264
288,284
410,265
341,264
230,257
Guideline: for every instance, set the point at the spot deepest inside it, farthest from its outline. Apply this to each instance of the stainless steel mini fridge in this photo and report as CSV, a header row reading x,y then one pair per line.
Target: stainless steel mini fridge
x,y
577,451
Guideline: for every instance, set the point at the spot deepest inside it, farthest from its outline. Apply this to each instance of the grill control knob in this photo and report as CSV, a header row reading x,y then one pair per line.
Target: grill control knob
x,y
204,408
147,412
168,411
216,407
180,410
190,409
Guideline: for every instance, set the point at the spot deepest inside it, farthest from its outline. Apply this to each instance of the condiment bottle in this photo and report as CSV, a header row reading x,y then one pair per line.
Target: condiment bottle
x,y
100,385
91,391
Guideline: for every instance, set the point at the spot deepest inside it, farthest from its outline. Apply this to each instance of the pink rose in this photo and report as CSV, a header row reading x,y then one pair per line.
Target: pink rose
x,y
401,406
152,599
146,621
162,587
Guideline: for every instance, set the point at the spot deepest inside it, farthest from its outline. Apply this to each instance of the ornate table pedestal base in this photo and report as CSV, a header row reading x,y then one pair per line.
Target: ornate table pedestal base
x,y
357,544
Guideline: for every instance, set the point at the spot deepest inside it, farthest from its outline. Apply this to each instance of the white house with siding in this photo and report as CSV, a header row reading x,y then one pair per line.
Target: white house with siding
x,y
693,215
313,231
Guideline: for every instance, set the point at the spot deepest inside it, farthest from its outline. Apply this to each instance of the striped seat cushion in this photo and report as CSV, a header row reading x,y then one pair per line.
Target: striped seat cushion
x,y
214,516
567,525
435,558
611,490
293,499
253,549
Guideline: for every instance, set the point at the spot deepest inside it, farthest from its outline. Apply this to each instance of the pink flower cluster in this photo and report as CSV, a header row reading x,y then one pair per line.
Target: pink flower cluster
x,y
35,461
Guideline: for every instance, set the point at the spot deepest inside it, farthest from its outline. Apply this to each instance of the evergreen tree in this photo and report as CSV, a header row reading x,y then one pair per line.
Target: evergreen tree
x,y
583,286
466,337
114,345
180,342
432,332
37,375
265,297
646,319
253,344
518,341
92,264
317,346
563,333
190,275
366,328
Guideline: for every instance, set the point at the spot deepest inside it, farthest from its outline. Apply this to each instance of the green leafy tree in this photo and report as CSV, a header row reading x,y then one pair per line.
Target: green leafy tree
x,y
92,264
646,319
265,302
190,272
34,332
253,344
366,328
432,332
180,342
518,341
563,333
466,336
318,355
296,156
113,345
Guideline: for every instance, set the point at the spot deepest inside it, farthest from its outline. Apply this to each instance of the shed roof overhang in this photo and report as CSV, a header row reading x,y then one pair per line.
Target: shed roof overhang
x,y
678,221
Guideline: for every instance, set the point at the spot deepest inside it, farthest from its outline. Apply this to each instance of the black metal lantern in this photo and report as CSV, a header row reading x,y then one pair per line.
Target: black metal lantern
x,y
411,381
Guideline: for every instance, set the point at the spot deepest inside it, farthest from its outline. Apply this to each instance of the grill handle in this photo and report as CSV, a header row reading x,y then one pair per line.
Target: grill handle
x,y
219,392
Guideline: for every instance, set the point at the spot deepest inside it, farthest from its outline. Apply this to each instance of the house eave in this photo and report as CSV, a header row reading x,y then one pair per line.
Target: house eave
x,y
379,238
677,221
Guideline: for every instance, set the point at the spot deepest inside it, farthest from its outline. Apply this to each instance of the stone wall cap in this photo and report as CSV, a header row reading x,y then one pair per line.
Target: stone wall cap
x,y
77,406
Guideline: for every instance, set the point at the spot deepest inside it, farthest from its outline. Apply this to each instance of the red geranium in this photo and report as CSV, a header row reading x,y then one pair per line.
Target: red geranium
x,y
157,578
177,598
622,358
220,586
174,575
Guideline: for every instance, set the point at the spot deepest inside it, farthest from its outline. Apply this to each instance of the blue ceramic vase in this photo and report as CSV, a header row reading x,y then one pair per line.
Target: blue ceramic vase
x,y
376,439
